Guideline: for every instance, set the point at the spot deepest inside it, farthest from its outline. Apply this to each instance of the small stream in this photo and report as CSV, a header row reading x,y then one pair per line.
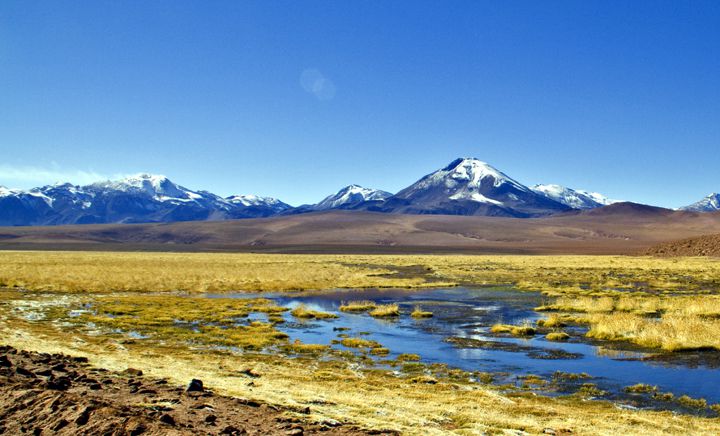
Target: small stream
x,y
468,314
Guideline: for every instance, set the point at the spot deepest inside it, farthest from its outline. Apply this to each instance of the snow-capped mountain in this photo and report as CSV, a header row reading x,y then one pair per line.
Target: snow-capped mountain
x,y
711,203
255,201
139,198
574,198
350,197
468,186
158,187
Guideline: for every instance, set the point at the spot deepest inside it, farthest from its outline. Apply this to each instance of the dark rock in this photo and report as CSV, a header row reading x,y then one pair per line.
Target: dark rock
x,y
44,372
24,372
210,419
233,431
195,386
79,359
137,430
59,384
60,425
95,387
246,402
167,419
5,362
84,416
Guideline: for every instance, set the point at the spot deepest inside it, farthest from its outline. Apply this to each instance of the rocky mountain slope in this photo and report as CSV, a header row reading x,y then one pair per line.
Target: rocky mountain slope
x,y
576,199
711,203
468,186
140,198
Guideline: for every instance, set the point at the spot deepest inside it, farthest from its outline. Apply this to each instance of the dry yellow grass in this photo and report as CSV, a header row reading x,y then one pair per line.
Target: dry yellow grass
x,y
415,405
357,306
385,311
220,272
700,305
671,323
672,332
515,330
418,313
557,336
303,312
40,322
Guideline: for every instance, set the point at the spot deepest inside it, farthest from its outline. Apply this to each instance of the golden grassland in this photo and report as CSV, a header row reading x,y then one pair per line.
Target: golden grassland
x,y
671,323
181,335
428,400
221,272
679,291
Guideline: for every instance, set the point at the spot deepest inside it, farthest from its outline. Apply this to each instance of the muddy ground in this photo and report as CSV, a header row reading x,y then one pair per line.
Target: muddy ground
x,y
47,394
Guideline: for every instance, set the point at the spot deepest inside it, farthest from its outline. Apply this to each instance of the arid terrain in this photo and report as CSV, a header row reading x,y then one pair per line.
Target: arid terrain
x,y
708,245
43,393
623,228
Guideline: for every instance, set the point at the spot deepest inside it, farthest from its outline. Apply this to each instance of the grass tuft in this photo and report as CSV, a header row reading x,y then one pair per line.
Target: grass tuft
x,y
357,306
302,312
419,313
557,336
386,311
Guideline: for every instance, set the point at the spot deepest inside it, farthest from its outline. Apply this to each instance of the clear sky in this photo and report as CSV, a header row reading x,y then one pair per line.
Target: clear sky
x,y
296,99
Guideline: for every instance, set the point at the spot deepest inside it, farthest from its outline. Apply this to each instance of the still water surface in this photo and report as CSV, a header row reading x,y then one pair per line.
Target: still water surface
x,y
469,313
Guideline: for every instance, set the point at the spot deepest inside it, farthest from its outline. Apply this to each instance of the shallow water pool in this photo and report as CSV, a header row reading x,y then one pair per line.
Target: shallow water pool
x,y
468,314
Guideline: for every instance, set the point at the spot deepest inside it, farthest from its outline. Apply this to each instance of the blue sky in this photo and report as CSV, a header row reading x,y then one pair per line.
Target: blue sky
x,y
295,99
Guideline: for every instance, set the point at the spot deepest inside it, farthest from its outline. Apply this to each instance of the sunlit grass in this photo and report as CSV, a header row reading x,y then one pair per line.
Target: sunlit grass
x,y
671,332
515,330
303,312
222,272
188,339
418,313
357,306
557,336
385,311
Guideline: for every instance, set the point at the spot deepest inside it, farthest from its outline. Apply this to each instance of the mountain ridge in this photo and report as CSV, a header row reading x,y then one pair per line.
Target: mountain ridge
x,y
466,186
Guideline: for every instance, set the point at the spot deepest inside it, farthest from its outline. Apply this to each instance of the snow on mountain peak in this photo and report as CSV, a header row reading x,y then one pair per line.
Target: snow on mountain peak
x,y
153,185
710,203
6,192
352,194
255,200
465,179
472,171
575,198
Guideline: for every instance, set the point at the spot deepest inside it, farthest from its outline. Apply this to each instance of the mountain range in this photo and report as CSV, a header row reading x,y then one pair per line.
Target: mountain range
x,y
467,186
711,203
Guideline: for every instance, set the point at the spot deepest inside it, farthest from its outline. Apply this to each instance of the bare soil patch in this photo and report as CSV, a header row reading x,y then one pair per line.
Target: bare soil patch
x,y
45,394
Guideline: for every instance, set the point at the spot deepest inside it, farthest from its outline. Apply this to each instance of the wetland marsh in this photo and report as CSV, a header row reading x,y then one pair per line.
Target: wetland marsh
x,y
433,344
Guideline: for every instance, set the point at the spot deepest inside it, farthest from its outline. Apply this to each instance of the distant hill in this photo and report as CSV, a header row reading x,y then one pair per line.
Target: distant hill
x,y
707,245
623,228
